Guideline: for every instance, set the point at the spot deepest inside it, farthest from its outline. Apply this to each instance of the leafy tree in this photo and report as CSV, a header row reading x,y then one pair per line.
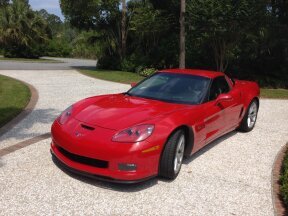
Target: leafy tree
x,y
153,41
220,24
22,31
104,17
116,26
54,22
246,37
4,3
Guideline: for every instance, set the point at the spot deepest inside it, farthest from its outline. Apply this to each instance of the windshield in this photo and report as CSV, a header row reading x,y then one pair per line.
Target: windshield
x,y
172,87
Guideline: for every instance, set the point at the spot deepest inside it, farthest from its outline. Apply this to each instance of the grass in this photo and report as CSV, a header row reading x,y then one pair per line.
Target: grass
x,y
129,77
114,76
274,93
284,179
14,96
40,60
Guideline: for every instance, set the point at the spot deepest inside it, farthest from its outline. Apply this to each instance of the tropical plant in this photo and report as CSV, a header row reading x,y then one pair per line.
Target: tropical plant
x,y
22,31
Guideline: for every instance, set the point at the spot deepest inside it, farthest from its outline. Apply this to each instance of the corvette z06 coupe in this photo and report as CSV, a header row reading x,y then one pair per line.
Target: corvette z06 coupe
x,y
147,131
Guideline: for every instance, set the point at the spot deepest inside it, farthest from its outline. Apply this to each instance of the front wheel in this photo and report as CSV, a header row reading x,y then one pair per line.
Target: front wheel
x,y
250,117
172,156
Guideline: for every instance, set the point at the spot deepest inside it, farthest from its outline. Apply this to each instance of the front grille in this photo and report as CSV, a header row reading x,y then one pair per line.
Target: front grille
x,y
84,160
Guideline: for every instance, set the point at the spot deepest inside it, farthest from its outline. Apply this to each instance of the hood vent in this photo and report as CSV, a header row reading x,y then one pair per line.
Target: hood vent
x,y
87,127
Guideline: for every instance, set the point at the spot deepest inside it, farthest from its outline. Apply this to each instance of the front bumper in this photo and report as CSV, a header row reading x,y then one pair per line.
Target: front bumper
x,y
79,154
96,177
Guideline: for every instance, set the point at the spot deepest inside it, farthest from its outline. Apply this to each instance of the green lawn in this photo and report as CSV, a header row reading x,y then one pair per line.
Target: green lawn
x,y
274,93
40,60
14,96
128,77
115,76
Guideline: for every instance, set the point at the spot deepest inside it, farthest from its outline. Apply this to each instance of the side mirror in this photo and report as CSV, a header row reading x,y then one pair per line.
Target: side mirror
x,y
223,98
133,84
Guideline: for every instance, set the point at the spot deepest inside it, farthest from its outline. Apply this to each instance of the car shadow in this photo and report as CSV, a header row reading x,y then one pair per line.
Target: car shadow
x,y
136,187
206,148
21,129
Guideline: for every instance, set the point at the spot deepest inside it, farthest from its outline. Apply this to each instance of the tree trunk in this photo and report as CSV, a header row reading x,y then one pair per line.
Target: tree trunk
x,y
182,53
123,29
220,54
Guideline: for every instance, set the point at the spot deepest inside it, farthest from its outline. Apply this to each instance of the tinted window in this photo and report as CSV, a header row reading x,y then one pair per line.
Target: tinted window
x,y
173,87
219,86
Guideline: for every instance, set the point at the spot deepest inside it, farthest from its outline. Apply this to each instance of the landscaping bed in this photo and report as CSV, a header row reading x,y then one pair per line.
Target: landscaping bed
x,y
284,179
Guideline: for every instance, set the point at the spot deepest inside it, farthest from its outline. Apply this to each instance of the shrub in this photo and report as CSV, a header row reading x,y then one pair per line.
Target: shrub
x,y
284,179
33,51
109,62
59,48
139,69
128,64
147,72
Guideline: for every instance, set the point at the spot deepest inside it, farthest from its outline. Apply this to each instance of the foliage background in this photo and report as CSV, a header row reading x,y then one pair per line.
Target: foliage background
x,y
245,38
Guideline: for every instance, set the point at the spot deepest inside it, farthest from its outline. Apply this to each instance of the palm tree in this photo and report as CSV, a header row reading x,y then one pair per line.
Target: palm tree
x,y
22,31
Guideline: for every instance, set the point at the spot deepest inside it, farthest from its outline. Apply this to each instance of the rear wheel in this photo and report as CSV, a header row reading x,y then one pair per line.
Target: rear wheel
x,y
172,157
250,117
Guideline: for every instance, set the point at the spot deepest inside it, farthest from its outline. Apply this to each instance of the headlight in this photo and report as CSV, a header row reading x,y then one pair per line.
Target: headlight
x,y
65,115
134,134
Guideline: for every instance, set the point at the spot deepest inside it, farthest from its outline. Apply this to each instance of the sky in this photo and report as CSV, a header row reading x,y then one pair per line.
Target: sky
x,y
52,6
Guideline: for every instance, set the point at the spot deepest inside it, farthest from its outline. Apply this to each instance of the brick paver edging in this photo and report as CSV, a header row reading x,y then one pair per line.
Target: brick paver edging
x,y
27,110
278,205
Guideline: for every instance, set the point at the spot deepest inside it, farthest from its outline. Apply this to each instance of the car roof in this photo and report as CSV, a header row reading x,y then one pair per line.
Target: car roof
x,y
203,73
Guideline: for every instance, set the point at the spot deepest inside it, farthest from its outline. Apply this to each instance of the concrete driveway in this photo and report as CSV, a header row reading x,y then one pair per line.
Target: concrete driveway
x,y
231,176
63,64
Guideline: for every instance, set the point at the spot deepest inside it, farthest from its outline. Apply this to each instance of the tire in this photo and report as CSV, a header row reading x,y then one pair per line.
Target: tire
x,y
172,156
249,120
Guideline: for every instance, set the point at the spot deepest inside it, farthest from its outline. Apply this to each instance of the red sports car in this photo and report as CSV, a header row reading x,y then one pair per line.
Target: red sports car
x,y
146,132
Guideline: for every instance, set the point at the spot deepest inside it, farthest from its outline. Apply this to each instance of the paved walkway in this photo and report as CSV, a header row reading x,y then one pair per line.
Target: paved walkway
x,y
63,64
232,176
57,90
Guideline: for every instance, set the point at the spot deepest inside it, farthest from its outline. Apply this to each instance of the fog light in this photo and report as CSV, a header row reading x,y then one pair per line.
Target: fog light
x,y
127,167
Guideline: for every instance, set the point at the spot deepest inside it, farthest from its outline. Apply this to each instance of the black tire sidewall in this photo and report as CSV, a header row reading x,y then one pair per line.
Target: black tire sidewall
x,y
244,124
166,165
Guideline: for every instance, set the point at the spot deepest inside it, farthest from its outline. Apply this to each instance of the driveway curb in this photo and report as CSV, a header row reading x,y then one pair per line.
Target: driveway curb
x,y
278,205
25,112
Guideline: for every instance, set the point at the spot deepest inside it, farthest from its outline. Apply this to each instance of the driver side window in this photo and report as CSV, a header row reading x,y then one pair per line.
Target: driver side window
x,y
219,86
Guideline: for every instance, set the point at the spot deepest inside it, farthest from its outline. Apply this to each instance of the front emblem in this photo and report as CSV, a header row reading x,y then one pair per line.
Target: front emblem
x,y
77,134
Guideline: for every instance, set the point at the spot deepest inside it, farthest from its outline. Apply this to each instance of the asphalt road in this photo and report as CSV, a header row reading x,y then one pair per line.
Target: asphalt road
x,y
64,64
231,176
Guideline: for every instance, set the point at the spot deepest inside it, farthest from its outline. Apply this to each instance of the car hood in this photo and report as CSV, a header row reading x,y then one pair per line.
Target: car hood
x,y
121,111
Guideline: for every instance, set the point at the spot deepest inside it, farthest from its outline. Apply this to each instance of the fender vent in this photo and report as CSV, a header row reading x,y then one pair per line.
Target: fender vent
x,y
87,127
